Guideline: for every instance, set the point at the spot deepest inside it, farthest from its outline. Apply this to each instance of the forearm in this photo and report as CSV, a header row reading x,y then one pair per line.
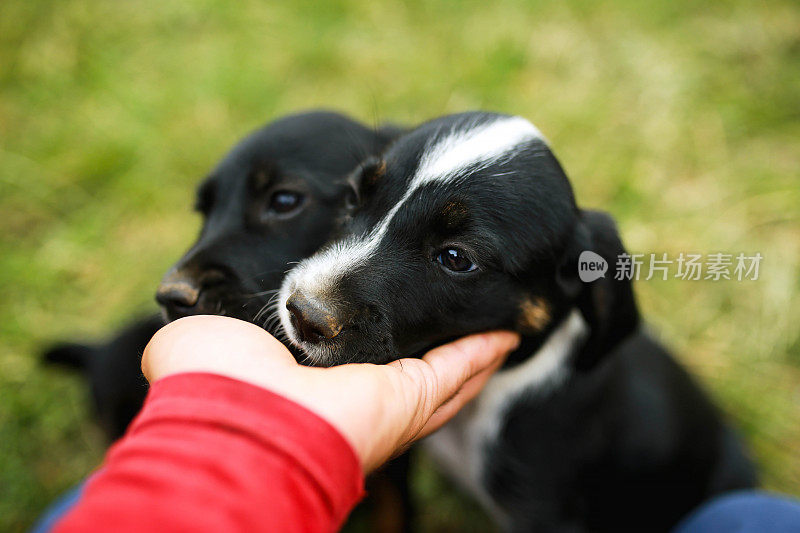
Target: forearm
x,y
212,453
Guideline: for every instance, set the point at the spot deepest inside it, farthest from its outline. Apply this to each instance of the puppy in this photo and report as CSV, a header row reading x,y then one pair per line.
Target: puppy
x,y
113,369
271,201
468,223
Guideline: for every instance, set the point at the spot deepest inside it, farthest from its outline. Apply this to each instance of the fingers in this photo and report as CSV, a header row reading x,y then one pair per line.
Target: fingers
x,y
213,344
463,396
456,363
448,377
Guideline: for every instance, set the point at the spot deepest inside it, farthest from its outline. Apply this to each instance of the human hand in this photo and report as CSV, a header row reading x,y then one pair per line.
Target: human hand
x,y
380,409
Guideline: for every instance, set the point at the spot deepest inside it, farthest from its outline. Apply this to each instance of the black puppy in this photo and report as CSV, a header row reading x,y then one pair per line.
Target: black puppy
x,y
114,371
469,223
271,201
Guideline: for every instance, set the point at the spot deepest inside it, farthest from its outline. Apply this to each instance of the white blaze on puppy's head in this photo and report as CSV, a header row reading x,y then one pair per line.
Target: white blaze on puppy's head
x,y
469,146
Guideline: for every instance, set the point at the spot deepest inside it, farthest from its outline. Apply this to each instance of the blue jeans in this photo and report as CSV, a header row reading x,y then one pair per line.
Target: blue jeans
x,y
57,509
738,512
744,512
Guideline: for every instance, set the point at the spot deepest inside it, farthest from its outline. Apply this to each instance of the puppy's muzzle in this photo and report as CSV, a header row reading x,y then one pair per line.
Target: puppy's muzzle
x,y
181,289
178,289
313,319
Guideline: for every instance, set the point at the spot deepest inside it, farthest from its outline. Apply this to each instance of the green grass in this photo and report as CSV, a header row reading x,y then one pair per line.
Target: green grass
x,y
681,119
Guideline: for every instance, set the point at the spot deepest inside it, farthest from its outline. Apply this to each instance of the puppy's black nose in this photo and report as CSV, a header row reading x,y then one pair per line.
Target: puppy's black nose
x,y
178,289
313,319
184,291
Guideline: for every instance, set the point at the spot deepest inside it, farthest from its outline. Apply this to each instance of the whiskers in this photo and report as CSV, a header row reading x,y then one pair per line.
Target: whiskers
x,y
268,308
268,315
317,357
269,318
259,294
291,264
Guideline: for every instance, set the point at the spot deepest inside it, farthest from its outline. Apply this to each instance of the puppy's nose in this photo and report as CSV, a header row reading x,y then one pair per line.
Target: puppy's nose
x,y
178,288
313,319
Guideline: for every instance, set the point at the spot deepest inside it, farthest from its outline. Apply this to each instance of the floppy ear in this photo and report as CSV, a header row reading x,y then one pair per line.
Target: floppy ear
x,y
363,179
388,132
607,304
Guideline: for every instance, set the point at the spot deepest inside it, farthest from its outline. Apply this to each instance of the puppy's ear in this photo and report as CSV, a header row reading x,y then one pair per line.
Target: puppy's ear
x,y
607,304
362,180
388,132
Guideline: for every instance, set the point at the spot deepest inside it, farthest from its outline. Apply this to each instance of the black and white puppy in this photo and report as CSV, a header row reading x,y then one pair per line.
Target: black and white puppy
x,y
468,223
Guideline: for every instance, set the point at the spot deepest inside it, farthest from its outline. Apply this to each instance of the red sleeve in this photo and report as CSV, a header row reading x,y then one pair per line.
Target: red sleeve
x,y
215,454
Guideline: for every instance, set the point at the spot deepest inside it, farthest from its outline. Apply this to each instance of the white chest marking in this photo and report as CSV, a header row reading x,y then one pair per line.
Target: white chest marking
x,y
458,448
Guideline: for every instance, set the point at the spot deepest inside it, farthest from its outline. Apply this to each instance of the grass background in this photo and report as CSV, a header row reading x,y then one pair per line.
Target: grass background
x,y
681,118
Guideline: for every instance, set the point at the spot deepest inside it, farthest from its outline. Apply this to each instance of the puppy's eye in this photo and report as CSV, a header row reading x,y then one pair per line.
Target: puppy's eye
x,y
455,259
283,202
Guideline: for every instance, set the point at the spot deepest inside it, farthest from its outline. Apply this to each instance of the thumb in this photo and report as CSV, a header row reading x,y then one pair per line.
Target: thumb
x,y
443,372
457,362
